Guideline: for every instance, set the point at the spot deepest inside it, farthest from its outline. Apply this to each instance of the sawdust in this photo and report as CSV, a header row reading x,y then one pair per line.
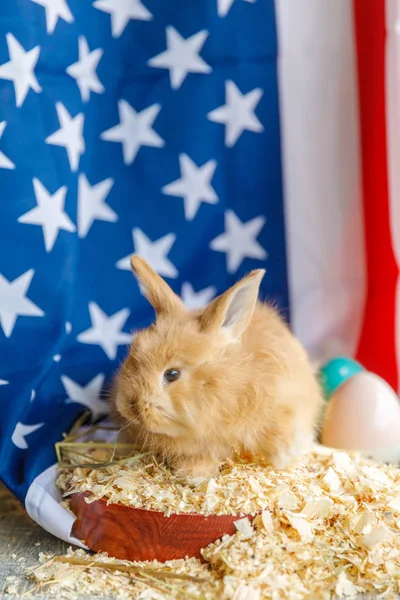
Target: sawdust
x,y
327,527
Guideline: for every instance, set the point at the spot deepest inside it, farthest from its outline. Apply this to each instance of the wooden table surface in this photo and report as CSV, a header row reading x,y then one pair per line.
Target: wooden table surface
x,y
21,540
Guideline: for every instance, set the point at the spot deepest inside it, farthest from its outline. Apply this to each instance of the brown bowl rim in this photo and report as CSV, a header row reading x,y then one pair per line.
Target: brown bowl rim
x,y
162,514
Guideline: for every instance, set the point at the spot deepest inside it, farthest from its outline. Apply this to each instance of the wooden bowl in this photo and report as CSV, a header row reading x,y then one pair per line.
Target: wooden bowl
x,y
137,534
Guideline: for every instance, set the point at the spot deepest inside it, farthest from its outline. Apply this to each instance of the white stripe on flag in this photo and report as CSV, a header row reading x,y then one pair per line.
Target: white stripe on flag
x,y
393,141
42,504
322,173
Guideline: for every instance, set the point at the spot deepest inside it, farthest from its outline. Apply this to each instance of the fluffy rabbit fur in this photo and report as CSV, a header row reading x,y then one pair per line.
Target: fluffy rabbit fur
x,y
246,383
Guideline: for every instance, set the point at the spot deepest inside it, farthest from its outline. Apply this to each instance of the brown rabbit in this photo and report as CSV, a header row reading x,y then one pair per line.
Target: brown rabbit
x,y
199,385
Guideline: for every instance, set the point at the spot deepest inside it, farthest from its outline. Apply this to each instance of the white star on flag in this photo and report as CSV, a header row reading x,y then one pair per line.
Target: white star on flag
x,y
239,240
196,300
88,395
135,130
5,163
182,56
238,113
49,213
20,69
91,203
55,9
13,301
224,6
122,11
106,331
4,382
84,71
194,186
154,252
20,433
69,136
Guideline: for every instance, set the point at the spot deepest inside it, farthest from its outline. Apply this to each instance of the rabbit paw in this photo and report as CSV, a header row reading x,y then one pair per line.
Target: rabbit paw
x,y
282,459
194,472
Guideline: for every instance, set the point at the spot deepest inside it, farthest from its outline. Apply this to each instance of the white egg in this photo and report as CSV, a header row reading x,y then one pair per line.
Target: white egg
x,y
364,414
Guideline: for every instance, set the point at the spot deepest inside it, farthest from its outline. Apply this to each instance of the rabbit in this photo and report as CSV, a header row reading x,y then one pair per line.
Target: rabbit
x,y
198,386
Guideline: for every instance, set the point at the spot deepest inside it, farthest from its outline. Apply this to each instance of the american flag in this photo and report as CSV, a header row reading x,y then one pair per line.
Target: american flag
x,y
211,138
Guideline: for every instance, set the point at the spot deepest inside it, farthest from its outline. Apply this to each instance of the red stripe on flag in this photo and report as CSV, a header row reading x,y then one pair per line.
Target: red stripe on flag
x,y
377,342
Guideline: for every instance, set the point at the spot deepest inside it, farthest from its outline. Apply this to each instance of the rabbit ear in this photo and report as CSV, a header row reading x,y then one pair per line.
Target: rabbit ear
x,y
156,290
234,309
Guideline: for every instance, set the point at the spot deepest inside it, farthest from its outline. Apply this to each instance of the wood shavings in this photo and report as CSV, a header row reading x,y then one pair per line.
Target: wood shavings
x,y
244,527
377,535
288,500
246,592
301,525
365,522
341,544
318,508
395,504
11,586
266,520
344,587
375,474
329,525
79,572
332,480
343,463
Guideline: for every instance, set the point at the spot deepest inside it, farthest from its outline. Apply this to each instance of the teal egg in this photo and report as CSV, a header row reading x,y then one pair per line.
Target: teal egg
x,y
334,373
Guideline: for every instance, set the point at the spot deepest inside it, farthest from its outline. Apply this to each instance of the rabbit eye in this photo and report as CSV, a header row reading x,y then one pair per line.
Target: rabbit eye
x,y
171,375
